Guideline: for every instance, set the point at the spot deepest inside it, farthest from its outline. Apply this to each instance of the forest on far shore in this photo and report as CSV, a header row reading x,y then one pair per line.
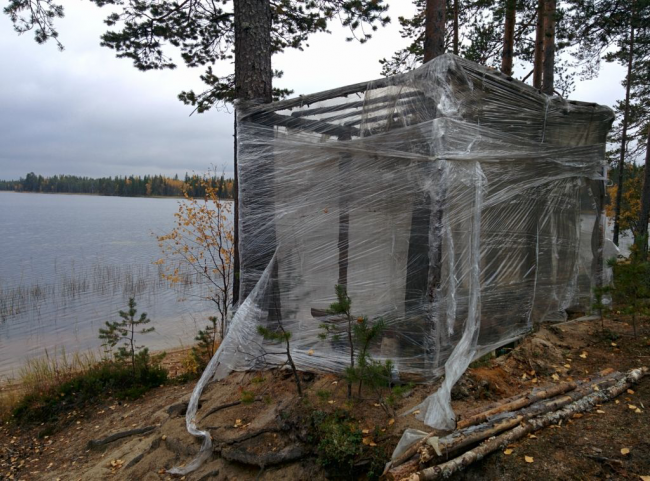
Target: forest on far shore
x,y
131,186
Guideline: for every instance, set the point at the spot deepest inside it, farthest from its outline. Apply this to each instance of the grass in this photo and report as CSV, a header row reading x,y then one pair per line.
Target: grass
x,y
51,386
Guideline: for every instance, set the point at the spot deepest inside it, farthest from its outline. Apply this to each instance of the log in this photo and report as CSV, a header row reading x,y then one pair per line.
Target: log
x,y
535,424
510,404
95,443
515,405
422,452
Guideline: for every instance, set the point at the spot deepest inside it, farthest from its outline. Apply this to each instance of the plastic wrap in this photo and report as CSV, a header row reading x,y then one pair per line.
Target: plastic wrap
x,y
457,204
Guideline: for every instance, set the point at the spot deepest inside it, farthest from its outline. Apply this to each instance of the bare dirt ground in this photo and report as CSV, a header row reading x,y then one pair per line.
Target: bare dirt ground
x,y
273,421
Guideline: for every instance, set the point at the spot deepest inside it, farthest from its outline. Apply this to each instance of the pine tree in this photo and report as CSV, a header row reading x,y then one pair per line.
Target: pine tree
x,y
124,331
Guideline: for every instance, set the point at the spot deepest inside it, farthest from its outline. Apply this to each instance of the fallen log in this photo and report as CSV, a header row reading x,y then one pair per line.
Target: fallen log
x,y
510,404
95,443
527,400
425,450
535,424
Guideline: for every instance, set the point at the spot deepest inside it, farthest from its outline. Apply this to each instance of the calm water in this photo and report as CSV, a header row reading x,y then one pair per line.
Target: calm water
x,y
68,263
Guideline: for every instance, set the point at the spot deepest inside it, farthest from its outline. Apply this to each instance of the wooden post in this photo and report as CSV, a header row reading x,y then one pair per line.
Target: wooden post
x,y
345,163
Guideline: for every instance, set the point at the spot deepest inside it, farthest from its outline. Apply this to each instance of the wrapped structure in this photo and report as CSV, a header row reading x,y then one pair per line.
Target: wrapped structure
x,y
457,204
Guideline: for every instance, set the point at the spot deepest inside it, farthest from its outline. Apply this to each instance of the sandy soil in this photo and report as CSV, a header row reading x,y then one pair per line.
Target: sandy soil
x,y
588,447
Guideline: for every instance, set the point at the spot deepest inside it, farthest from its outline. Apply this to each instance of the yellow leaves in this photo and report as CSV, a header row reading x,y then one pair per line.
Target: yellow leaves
x,y
630,391
508,452
529,459
600,411
391,421
625,451
555,377
583,355
310,352
644,478
632,407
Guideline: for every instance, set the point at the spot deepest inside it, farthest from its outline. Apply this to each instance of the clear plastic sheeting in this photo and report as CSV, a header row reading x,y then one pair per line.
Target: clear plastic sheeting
x,y
458,205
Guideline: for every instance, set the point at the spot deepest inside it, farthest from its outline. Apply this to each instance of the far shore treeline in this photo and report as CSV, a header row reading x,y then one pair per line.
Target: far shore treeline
x,y
131,186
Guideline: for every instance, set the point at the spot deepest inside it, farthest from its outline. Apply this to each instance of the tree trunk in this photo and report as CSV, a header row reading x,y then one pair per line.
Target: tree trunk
x,y
455,27
539,46
549,47
253,74
434,30
509,37
621,160
645,202
235,240
253,82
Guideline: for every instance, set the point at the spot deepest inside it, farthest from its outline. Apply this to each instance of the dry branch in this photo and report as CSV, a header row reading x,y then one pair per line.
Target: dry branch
x,y
584,404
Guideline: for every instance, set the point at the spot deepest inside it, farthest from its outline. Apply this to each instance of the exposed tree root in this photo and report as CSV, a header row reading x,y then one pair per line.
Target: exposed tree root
x,y
220,407
247,436
95,443
286,455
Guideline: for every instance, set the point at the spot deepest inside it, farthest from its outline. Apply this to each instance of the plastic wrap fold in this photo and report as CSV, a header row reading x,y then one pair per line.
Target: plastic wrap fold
x,y
458,205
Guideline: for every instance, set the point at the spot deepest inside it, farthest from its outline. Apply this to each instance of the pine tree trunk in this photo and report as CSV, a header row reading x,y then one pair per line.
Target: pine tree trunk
x,y
235,227
539,46
455,27
509,37
621,160
253,81
434,30
549,47
645,202
253,74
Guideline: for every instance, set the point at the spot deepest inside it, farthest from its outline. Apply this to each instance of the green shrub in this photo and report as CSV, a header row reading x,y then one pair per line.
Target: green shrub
x,y
339,442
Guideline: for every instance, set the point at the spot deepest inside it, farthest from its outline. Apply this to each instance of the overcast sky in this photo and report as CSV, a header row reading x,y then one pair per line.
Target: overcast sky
x,y
84,112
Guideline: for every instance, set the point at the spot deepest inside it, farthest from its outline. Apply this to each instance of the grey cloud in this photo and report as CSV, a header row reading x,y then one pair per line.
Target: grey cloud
x,y
84,112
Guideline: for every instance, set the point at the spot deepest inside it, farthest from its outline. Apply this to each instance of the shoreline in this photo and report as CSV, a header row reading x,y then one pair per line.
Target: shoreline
x,y
173,362
177,197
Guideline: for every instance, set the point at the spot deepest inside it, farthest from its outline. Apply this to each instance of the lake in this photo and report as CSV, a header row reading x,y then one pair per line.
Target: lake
x,y
69,263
